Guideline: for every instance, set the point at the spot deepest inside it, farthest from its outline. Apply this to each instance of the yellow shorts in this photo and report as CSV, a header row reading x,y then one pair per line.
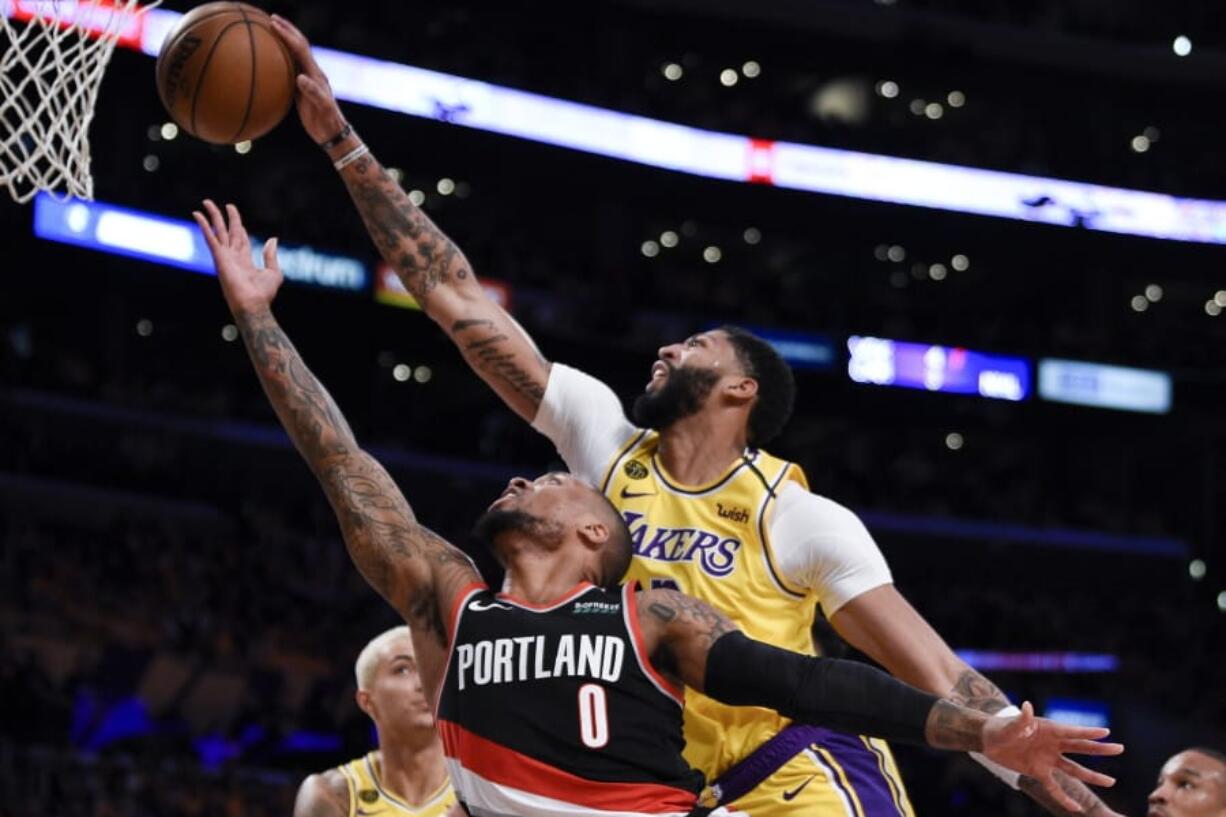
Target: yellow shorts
x,y
836,776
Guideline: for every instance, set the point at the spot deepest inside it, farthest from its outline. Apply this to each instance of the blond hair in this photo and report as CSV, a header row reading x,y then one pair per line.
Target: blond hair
x,y
368,659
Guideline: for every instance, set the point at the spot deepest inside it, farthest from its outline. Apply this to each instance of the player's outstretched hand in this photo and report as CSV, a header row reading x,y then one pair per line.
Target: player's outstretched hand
x,y
317,108
1036,747
247,287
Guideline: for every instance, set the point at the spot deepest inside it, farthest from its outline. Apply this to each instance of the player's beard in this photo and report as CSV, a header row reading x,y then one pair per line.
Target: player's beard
x,y
681,396
497,521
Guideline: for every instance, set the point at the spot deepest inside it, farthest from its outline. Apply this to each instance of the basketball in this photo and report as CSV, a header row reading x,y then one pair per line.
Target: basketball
x,y
223,75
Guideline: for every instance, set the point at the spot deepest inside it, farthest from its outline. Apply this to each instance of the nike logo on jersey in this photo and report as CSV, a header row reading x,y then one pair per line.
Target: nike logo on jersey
x,y
478,607
791,795
628,494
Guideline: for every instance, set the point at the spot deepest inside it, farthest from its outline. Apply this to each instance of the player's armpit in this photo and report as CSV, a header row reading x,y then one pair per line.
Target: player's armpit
x,y
323,795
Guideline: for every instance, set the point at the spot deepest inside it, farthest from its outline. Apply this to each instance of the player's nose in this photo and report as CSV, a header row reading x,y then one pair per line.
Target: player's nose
x,y
1157,797
520,483
670,352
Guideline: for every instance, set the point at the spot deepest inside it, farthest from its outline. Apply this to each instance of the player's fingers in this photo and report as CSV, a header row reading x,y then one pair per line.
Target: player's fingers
x,y
237,231
219,224
1090,747
312,88
1086,732
297,43
270,254
206,229
1074,769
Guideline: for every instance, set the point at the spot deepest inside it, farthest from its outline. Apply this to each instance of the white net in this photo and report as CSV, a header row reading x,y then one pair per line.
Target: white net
x,y
54,55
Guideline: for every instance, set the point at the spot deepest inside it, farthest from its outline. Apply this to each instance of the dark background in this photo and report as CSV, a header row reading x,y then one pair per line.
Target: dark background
x,y
178,618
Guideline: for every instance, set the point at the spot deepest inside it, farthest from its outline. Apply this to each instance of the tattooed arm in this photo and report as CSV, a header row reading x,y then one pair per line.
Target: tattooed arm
x,y
884,626
693,642
413,568
429,263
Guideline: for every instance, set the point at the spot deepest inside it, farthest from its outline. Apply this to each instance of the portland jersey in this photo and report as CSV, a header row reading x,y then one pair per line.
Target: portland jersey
x,y
556,710
711,542
368,797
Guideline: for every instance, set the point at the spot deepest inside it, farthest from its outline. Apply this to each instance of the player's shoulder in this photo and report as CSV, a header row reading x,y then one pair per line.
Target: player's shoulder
x,y
323,794
797,500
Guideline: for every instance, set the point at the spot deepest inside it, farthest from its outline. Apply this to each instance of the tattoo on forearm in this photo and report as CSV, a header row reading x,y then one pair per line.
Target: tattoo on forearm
x,y
1088,800
423,256
483,346
379,527
675,606
305,408
951,726
974,691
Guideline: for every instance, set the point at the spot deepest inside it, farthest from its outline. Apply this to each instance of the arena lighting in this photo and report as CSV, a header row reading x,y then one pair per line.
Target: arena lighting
x,y
1070,662
177,243
484,106
1100,386
1077,712
803,350
885,362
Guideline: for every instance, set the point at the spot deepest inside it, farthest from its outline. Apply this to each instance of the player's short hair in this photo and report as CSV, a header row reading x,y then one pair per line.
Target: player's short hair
x,y
1217,755
776,385
368,659
619,550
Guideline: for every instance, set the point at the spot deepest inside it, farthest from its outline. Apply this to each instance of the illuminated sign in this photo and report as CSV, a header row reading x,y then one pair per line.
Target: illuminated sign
x,y
1002,661
803,350
1114,387
151,237
1077,712
885,362
734,157
390,291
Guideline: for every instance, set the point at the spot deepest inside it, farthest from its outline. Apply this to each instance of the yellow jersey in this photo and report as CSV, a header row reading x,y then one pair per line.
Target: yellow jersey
x,y
711,542
368,797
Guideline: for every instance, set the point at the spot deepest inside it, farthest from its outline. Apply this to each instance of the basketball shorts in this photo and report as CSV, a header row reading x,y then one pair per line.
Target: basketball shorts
x,y
837,775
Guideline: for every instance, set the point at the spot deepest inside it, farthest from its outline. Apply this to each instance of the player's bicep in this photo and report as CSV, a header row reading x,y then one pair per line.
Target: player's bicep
x,y
883,625
682,630
498,350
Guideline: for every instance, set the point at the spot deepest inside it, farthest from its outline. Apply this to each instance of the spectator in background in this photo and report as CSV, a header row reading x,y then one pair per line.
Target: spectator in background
x,y
1191,784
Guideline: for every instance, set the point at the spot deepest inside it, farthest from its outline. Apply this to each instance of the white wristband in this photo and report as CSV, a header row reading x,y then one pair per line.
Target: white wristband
x,y
1009,776
351,157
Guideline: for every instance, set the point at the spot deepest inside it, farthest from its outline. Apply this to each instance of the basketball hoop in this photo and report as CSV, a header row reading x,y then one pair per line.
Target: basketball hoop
x,y
54,55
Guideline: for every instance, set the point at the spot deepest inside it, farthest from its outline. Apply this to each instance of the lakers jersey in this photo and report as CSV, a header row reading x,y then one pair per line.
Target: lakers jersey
x,y
711,542
369,798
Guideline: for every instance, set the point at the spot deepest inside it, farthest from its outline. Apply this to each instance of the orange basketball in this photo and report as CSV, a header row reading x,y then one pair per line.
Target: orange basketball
x,y
224,75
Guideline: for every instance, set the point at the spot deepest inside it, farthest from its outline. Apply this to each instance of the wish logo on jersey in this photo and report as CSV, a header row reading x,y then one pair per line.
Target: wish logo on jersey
x,y
715,554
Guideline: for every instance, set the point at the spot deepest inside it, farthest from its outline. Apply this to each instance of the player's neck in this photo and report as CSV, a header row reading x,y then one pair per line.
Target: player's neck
x,y
698,449
412,768
540,578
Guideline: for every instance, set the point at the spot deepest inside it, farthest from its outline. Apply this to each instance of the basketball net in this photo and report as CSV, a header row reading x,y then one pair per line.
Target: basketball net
x,y
54,55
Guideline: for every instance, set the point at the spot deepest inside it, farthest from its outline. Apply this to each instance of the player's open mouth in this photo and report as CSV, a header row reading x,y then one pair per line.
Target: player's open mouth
x,y
659,371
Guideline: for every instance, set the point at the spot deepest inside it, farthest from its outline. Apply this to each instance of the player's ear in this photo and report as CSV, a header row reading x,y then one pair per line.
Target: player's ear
x,y
594,533
742,388
362,697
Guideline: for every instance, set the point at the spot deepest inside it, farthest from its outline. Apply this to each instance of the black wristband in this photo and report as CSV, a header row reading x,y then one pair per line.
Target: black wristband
x,y
336,140
844,695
